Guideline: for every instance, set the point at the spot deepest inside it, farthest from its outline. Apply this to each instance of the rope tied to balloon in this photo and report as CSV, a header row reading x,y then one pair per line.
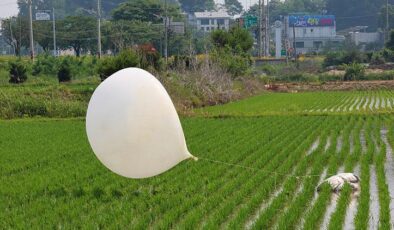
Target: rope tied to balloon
x,y
134,129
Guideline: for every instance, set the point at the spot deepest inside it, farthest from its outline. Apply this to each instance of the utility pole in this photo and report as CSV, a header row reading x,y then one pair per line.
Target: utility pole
x,y
387,21
295,46
165,32
267,30
260,34
99,28
54,32
31,31
263,29
12,37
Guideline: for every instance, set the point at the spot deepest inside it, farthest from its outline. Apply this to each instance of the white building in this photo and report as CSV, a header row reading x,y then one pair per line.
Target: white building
x,y
208,21
360,38
312,32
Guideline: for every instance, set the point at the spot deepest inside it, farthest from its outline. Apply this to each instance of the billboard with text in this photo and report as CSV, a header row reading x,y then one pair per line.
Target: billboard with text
x,y
311,20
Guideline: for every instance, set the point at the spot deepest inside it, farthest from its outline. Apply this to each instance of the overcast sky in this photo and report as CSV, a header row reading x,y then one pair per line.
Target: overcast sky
x,y
9,7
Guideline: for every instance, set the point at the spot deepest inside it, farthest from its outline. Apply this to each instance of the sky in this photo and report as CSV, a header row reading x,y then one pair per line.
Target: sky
x,y
9,7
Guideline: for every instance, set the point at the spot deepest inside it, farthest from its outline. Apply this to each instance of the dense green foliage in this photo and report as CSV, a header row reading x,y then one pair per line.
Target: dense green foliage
x,y
64,73
197,5
110,65
340,57
17,71
233,7
144,10
354,71
231,50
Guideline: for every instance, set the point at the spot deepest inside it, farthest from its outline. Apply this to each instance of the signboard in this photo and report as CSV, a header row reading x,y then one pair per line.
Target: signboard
x,y
311,20
250,21
43,15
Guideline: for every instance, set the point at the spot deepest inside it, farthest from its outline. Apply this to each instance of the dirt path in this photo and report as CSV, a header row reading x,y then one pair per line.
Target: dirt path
x,y
315,196
314,146
332,206
374,200
389,170
352,208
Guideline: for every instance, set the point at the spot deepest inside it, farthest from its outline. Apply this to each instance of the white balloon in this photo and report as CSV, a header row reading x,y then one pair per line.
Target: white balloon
x,y
133,127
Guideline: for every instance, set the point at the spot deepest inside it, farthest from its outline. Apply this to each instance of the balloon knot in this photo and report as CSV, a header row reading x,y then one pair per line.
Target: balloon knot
x,y
195,158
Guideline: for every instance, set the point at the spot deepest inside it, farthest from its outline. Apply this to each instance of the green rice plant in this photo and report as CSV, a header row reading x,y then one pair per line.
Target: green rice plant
x,y
338,217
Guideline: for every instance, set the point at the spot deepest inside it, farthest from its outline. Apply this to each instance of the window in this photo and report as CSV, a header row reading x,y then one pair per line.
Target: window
x,y
220,21
304,31
300,45
204,21
317,44
212,22
207,28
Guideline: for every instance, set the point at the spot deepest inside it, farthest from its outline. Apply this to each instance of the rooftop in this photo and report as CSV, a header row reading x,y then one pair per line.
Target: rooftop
x,y
212,14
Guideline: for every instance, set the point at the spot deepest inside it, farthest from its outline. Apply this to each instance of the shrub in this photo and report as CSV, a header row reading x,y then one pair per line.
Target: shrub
x,y
235,64
17,71
45,64
377,59
388,55
65,71
340,58
110,65
333,59
268,69
354,71
149,57
298,77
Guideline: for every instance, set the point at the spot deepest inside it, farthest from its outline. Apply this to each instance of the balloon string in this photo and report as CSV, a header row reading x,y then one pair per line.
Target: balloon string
x,y
257,169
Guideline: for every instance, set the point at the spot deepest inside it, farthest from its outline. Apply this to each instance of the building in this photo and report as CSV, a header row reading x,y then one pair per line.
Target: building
x,y
312,32
208,21
362,38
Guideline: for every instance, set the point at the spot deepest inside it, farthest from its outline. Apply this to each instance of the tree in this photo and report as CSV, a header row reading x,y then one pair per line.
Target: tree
x,y
390,43
125,34
233,7
78,32
238,39
231,50
191,6
43,34
355,12
220,38
382,17
68,7
13,30
144,10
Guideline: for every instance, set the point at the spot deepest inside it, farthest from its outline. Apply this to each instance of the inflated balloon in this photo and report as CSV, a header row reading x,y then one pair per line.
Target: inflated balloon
x,y
133,127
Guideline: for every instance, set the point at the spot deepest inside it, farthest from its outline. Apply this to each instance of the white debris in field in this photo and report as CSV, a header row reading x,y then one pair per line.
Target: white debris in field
x,y
337,182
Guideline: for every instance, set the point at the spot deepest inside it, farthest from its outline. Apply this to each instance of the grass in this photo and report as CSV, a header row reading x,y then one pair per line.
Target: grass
x,y
51,179
307,103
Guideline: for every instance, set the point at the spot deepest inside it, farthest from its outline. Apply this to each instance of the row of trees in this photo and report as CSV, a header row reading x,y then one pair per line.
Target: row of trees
x,y
71,7
132,22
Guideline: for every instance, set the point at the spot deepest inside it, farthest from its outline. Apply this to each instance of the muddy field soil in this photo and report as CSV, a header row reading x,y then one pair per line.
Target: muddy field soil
x,y
331,86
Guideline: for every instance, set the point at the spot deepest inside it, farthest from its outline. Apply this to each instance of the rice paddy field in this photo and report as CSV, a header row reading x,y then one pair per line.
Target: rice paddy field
x,y
261,160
